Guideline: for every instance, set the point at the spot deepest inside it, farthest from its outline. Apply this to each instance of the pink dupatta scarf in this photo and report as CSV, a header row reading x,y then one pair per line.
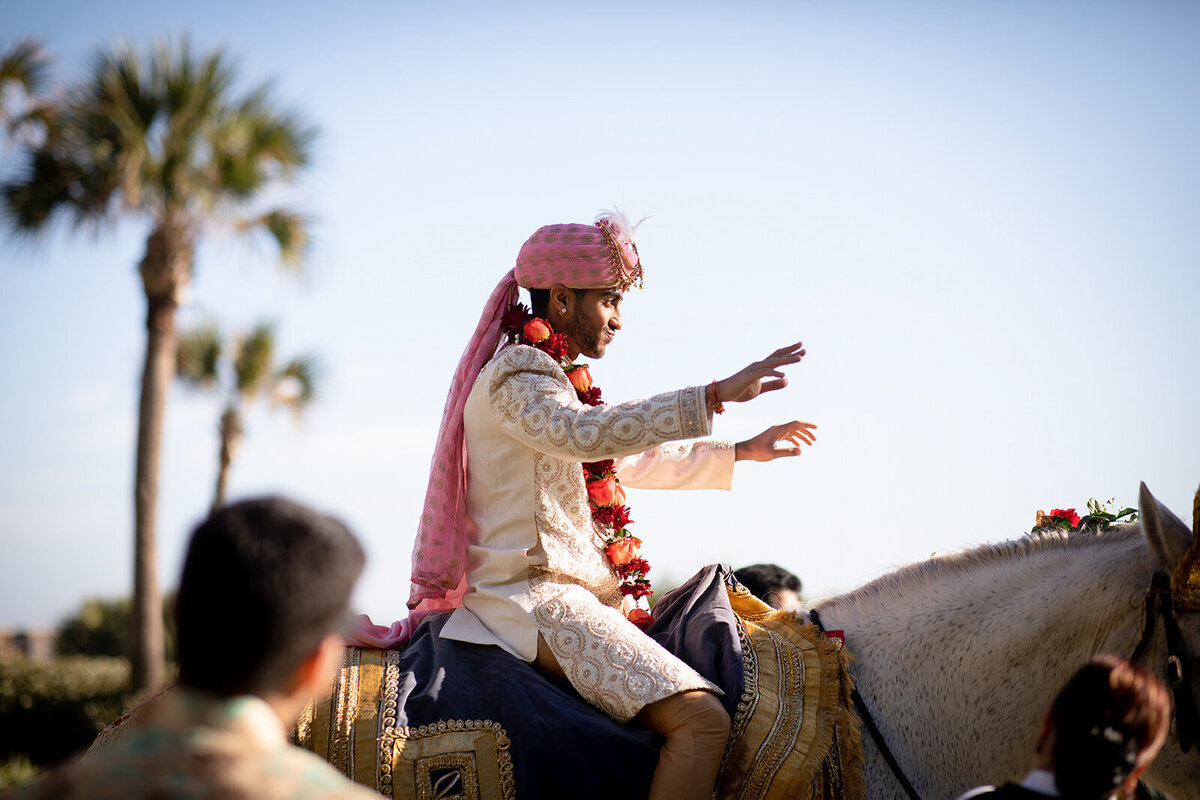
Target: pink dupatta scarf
x,y
579,256
440,552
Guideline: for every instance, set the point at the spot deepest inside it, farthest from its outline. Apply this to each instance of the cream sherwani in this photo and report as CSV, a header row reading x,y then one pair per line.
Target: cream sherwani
x,y
536,559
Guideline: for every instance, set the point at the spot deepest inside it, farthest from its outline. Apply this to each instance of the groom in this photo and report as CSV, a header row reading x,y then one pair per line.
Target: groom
x,y
525,523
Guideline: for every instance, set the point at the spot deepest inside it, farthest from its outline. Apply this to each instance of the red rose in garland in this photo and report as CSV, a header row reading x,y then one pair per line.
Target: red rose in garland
x,y
591,397
633,565
514,318
605,495
596,469
556,346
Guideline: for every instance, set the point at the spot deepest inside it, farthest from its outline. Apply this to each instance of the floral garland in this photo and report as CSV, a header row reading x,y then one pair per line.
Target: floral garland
x,y
605,495
1098,518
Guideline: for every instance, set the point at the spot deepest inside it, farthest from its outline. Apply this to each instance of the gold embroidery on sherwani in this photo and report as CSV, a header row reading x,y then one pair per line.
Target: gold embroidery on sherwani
x,y
575,591
572,555
615,666
535,402
608,660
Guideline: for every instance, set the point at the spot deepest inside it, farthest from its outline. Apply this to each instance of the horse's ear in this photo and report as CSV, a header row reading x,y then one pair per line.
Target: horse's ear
x,y
1168,536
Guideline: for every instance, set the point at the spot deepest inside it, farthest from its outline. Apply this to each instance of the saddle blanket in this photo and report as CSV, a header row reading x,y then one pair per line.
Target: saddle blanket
x,y
448,719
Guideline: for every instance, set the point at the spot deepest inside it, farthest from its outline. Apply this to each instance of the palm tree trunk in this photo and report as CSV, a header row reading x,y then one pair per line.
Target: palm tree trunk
x,y
165,270
146,636
231,438
222,482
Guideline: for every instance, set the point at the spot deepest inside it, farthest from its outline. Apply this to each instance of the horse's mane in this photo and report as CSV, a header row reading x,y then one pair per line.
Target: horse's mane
x,y
943,568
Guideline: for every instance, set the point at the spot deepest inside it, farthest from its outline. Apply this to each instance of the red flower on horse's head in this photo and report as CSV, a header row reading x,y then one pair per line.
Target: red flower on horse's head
x,y
1066,514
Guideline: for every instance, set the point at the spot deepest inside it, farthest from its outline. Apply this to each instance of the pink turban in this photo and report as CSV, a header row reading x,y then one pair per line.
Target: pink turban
x,y
580,256
574,255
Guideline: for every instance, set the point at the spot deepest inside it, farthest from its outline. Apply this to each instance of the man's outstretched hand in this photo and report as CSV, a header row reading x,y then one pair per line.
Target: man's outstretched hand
x,y
778,441
761,376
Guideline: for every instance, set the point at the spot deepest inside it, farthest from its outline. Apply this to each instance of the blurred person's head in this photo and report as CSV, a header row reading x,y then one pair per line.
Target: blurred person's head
x,y
265,589
1105,727
772,584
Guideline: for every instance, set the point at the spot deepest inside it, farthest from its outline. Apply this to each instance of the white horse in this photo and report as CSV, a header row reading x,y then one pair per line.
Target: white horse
x,y
959,657
957,660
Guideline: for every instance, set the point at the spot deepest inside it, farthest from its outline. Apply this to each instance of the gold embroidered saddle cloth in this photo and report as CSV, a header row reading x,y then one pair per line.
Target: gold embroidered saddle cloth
x,y
794,733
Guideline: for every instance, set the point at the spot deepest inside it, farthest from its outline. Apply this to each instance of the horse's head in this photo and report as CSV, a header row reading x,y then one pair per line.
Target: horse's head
x,y
1177,554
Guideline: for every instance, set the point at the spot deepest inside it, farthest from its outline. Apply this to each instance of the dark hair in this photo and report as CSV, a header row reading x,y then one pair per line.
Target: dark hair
x,y
539,300
264,581
1104,723
766,581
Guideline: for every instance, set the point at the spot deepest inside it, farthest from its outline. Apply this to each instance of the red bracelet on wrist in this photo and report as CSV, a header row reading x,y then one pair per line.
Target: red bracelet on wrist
x,y
718,407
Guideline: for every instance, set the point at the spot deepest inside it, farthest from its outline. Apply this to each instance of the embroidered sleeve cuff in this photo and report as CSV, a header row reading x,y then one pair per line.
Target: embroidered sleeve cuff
x,y
693,413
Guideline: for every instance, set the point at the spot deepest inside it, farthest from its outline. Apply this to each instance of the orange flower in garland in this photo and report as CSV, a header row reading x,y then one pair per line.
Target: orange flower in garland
x,y
605,495
624,551
533,331
537,330
640,617
602,492
610,513
580,377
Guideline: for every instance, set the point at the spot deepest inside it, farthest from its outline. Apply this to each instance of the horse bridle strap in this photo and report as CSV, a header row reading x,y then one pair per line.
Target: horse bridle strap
x,y
1160,603
864,714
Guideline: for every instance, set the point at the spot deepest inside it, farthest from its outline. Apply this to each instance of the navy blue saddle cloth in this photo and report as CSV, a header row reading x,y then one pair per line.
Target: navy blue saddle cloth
x,y
558,745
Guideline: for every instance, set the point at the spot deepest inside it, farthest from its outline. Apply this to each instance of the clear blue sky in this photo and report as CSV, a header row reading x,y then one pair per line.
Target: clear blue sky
x,y
980,217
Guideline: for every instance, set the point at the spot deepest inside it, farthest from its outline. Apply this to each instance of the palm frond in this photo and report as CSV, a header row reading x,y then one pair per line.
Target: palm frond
x,y
198,357
24,78
195,97
113,116
253,145
277,138
287,229
296,384
252,362
159,134
30,201
28,65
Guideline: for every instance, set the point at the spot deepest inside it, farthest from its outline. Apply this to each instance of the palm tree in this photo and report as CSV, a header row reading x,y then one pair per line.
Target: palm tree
x,y
24,78
249,374
161,139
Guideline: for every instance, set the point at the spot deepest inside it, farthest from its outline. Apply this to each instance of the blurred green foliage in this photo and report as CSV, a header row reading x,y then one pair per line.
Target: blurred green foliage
x,y
101,628
16,770
53,709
